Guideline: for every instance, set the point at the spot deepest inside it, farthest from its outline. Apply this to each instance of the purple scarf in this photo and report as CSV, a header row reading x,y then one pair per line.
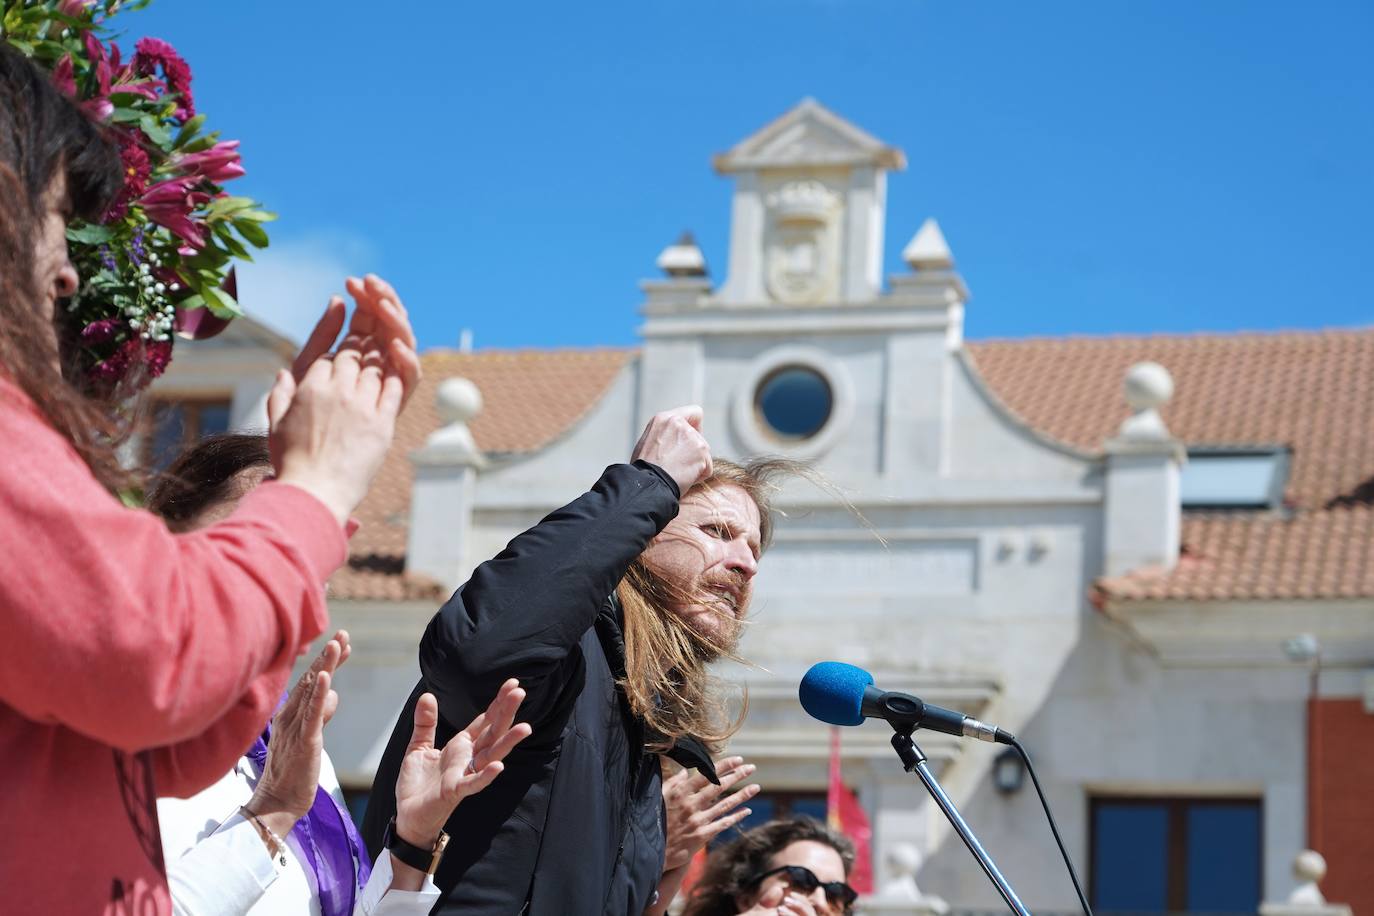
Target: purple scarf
x,y
331,844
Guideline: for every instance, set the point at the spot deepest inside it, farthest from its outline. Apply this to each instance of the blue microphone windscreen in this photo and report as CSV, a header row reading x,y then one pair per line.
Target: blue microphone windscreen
x,y
834,692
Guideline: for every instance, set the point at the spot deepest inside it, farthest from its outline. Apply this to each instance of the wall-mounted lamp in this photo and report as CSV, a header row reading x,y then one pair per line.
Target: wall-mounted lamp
x,y
1008,772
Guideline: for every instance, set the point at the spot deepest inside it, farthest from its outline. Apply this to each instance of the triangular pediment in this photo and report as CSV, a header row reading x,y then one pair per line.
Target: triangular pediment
x,y
809,135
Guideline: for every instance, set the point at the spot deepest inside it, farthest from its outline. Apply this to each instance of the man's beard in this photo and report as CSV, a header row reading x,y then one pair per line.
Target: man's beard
x,y
714,612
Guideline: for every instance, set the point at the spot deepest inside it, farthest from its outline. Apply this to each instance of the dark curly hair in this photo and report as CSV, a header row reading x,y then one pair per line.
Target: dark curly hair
x,y
203,476
731,866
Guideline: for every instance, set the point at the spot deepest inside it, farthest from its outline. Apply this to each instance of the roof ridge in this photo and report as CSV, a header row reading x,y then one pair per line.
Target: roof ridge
x,y
1260,333
534,351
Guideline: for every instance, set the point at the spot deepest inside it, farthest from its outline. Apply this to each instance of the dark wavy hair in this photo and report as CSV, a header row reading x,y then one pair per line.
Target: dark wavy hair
x,y
203,476
42,133
731,866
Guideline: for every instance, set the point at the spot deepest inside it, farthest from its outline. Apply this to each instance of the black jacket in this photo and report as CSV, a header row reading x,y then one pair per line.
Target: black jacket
x,y
575,823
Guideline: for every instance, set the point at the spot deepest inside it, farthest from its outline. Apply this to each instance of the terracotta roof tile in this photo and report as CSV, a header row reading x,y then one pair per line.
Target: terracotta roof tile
x,y
1310,391
530,398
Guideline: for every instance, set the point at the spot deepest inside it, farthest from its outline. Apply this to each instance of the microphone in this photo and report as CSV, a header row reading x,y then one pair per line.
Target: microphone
x,y
841,694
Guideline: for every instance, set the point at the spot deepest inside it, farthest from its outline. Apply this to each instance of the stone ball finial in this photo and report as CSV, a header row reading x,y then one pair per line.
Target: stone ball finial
x,y
904,859
683,258
1148,386
1309,865
457,400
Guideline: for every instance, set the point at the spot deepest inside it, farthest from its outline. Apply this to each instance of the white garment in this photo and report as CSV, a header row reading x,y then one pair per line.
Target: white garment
x,y
218,865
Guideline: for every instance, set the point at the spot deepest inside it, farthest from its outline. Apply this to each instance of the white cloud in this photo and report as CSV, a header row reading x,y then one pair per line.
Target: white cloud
x,y
286,286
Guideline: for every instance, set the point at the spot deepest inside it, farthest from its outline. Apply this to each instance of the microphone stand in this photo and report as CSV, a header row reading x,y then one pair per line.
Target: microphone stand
x,y
913,758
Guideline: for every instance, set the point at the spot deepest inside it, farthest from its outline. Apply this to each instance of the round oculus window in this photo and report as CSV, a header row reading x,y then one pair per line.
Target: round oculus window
x,y
794,402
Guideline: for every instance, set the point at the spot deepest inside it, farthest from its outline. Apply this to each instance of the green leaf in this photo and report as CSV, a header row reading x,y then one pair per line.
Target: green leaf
x,y
192,302
220,303
155,131
252,232
224,206
189,130
257,216
200,144
127,116
90,234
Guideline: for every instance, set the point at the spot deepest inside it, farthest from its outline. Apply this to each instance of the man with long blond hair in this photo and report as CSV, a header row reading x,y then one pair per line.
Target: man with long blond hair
x,y
609,611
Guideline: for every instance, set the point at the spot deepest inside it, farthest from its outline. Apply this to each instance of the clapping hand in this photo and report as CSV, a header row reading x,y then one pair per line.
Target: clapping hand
x,y
332,417
291,774
432,782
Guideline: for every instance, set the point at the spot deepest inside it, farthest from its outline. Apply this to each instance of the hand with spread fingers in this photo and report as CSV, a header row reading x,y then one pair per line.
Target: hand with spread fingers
x,y
699,811
432,782
333,415
291,774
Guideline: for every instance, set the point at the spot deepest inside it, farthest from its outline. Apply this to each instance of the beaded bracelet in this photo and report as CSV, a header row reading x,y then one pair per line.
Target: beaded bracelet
x,y
278,844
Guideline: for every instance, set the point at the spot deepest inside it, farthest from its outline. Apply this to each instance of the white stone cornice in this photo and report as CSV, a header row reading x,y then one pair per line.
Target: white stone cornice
x,y
1248,634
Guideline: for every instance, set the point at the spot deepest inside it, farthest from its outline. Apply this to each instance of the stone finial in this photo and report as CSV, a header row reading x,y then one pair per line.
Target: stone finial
x,y
457,401
1147,387
1306,899
682,258
903,862
1309,867
927,249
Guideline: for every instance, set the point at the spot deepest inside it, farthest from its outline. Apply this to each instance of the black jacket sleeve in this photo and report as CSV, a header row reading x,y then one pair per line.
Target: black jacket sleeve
x,y
522,613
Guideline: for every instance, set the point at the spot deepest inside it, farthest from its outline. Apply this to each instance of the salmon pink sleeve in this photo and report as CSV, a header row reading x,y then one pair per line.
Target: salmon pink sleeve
x,y
131,635
181,770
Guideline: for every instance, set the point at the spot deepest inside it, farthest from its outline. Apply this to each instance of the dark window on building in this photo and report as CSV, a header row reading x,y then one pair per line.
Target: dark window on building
x,y
177,424
794,402
1234,478
767,806
1183,855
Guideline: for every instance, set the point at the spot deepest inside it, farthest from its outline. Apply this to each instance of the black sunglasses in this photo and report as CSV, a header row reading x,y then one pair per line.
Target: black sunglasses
x,y
805,880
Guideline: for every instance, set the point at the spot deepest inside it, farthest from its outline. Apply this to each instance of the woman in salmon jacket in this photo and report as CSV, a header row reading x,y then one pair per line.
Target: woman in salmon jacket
x,y
116,636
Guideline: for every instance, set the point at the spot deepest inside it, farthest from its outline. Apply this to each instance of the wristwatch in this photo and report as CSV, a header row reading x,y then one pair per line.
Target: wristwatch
x,y
417,857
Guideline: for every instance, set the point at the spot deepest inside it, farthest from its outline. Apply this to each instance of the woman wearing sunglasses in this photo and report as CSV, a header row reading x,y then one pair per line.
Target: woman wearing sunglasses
x,y
793,867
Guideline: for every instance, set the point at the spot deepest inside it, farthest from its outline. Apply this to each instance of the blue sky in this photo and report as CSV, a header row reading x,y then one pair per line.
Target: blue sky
x,y
1097,167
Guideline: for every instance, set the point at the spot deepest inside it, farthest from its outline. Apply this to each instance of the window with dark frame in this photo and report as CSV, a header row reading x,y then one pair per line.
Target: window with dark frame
x,y
179,423
768,806
1179,855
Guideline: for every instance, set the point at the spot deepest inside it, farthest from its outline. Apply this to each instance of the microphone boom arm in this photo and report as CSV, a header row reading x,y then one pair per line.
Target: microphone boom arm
x,y
913,759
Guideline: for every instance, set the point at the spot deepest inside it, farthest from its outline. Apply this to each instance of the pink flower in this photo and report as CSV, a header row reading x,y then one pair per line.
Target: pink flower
x,y
152,53
218,164
75,8
136,169
171,203
64,78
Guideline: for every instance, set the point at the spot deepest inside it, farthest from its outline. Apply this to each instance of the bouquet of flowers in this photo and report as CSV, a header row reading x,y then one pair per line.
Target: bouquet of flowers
x,y
159,262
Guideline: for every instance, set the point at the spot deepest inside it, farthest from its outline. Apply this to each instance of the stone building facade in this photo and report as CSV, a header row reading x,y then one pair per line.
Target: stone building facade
x,y
1101,545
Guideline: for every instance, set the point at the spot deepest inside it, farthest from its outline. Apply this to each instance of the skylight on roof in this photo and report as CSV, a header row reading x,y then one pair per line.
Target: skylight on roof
x,y
1221,478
